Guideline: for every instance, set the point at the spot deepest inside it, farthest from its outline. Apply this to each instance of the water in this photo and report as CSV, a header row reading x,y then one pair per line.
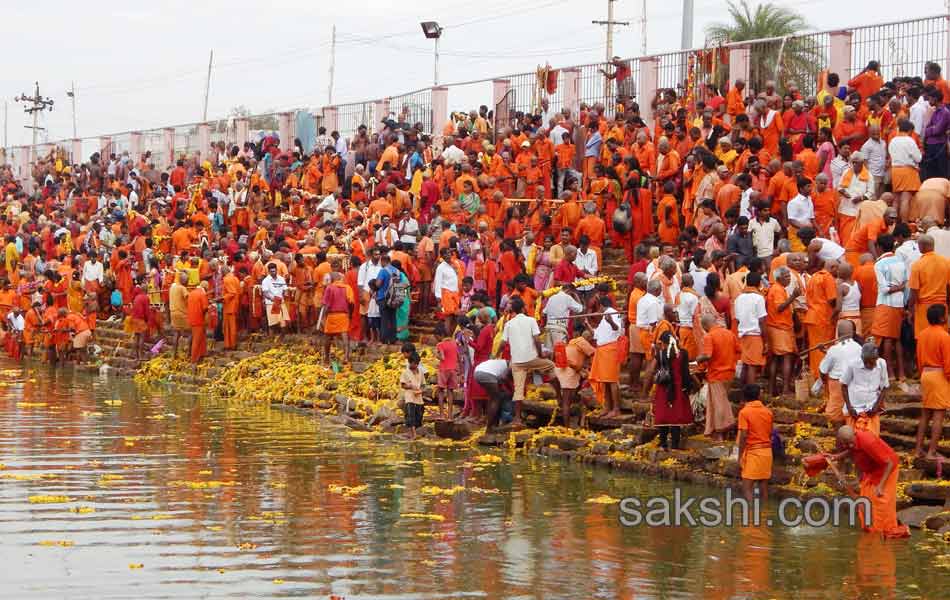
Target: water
x,y
273,528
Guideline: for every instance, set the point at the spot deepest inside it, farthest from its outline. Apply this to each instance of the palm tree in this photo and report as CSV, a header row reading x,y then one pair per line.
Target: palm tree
x,y
790,60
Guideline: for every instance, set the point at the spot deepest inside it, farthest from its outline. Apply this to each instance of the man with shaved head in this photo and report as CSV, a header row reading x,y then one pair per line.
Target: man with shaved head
x,y
929,283
821,298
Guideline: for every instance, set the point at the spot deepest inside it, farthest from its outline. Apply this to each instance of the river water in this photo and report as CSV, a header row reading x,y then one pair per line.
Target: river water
x,y
155,494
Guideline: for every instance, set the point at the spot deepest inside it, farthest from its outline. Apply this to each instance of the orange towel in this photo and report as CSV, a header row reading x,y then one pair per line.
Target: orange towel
x,y
756,464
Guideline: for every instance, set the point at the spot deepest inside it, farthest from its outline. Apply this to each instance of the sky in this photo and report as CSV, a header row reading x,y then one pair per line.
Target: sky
x,y
143,65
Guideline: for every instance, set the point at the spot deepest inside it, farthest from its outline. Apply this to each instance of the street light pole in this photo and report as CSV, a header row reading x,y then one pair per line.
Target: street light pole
x,y
435,79
433,31
72,96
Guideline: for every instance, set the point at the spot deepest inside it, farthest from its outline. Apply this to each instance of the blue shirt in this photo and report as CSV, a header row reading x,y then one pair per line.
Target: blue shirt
x,y
592,147
384,278
890,270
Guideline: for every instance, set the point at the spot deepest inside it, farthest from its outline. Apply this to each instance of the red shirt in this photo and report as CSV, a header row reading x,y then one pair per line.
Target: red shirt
x,y
334,298
450,355
566,272
870,455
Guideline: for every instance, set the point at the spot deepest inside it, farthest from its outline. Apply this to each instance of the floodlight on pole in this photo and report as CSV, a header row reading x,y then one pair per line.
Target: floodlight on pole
x,y
433,31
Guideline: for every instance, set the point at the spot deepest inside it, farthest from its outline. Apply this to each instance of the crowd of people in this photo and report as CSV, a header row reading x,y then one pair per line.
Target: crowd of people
x,y
768,235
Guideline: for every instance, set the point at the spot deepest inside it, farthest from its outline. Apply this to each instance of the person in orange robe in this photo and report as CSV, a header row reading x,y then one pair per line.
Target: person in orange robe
x,y
755,444
868,82
879,467
780,329
929,283
933,360
669,223
231,301
197,311
821,299
825,201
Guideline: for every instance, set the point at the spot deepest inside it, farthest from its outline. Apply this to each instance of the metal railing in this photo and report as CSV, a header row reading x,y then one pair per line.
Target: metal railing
x,y
902,48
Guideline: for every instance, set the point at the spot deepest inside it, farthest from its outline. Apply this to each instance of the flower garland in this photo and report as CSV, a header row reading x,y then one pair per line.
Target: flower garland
x,y
590,281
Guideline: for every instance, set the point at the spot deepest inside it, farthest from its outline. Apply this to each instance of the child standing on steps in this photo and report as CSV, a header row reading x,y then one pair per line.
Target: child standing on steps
x,y
411,382
448,354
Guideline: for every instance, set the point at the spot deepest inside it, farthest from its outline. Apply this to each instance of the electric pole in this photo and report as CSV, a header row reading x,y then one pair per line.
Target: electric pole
x,y
332,65
35,105
72,94
204,114
643,30
610,39
686,35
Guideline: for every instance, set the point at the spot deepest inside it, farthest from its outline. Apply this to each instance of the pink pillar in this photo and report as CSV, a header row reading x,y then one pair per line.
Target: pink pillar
x,y
204,139
167,156
105,148
571,91
500,89
840,54
77,151
135,146
284,130
330,118
23,166
381,110
242,129
649,76
440,108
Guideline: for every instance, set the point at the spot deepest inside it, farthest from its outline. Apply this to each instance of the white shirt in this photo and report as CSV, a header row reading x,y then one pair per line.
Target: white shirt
x,y
909,252
452,155
495,366
686,309
366,273
520,332
941,240
763,237
586,262
838,357
17,323
919,115
699,277
875,155
801,209
829,250
890,270
557,139
409,227
904,152
92,271
340,146
272,287
857,188
851,302
749,308
745,204
649,311
559,307
604,333
328,203
864,385
445,279
386,236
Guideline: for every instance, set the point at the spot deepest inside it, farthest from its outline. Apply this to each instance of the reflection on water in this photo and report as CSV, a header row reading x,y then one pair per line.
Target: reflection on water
x,y
223,500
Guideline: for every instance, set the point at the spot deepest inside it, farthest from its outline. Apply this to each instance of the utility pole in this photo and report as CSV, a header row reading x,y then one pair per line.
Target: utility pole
x,y
72,94
6,106
204,113
686,35
35,104
643,30
332,66
610,39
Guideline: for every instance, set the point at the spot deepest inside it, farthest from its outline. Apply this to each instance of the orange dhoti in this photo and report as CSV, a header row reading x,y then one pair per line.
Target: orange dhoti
x,y
451,301
753,350
834,407
854,317
336,323
928,203
137,325
887,322
781,341
229,330
199,343
905,179
818,334
636,342
865,422
845,227
867,318
934,388
883,508
646,342
605,368
920,318
718,410
756,464
688,342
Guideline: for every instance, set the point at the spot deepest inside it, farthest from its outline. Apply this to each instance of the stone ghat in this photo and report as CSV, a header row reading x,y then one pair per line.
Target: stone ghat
x,y
624,445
